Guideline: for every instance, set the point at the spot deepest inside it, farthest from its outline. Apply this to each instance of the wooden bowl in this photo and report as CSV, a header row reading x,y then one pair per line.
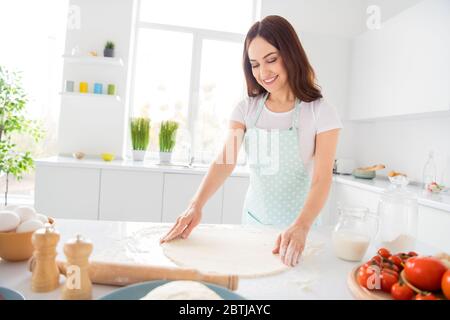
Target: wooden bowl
x,y
17,246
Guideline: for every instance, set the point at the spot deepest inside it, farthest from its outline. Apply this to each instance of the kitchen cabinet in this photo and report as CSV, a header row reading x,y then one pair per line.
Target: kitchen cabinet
x,y
234,191
67,192
128,195
434,227
403,68
128,191
179,190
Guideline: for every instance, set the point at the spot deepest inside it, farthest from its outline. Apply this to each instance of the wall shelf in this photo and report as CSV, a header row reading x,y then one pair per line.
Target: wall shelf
x,y
93,60
90,96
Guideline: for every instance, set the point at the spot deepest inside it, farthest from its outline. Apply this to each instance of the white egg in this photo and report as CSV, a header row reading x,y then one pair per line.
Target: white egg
x,y
42,217
29,225
25,213
9,220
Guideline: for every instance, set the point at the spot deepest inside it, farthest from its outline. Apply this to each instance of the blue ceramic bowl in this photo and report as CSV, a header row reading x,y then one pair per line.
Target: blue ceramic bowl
x,y
9,294
139,290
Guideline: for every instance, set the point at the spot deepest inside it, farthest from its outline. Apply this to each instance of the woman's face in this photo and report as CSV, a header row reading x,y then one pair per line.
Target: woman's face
x,y
267,65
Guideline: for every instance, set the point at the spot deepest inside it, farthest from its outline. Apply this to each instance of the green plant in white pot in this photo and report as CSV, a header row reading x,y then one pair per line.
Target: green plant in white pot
x,y
140,137
13,100
167,140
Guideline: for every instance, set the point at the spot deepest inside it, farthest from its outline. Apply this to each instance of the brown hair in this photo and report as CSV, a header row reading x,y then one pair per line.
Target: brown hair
x,y
279,33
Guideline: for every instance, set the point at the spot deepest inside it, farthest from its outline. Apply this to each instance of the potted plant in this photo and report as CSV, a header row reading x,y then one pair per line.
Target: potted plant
x,y
12,123
140,137
109,49
167,139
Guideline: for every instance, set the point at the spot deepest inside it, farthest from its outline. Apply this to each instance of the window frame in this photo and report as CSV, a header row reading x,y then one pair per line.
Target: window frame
x,y
199,35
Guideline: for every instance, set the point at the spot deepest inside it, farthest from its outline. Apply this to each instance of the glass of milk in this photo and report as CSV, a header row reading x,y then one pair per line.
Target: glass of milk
x,y
353,233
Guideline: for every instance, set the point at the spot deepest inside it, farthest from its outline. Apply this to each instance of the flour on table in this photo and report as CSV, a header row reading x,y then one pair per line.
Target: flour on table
x,y
137,246
224,249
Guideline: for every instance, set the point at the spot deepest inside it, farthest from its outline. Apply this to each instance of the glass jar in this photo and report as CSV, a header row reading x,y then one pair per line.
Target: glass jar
x,y
398,213
353,233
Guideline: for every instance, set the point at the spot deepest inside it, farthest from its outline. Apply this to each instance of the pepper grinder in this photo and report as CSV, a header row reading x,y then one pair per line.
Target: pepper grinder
x,y
78,285
45,275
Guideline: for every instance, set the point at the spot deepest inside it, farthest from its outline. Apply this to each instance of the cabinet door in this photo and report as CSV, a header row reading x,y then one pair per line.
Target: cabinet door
x,y
352,196
128,195
234,191
179,190
433,228
403,68
70,193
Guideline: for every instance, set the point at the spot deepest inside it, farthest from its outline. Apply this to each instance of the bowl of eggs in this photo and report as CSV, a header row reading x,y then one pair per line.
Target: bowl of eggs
x,y
17,225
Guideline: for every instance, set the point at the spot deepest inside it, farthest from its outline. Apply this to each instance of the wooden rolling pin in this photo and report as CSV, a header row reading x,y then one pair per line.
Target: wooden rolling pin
x,y
122,274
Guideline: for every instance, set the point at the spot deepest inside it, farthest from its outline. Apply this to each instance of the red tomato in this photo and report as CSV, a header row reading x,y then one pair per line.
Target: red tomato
x,y
397,261
377,260
401,291
412,254
363,275
388,279
383,252
425,273
421,296
445,284
393,272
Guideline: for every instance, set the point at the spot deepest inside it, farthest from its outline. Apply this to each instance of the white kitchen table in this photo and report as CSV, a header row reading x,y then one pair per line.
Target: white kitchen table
x,y
319,276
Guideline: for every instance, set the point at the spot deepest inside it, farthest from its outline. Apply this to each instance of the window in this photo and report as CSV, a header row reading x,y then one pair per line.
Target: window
x,y
33,45
188,68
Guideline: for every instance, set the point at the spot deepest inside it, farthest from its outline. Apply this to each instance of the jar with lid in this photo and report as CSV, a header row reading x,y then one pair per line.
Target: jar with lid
x,y
353,233
398,213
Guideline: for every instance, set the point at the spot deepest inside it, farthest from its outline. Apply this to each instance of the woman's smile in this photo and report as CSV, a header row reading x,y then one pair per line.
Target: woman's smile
x,y
270,81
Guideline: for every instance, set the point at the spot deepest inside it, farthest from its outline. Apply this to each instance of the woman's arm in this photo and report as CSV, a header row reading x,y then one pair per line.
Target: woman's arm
x,y
218,171
221,168
291,242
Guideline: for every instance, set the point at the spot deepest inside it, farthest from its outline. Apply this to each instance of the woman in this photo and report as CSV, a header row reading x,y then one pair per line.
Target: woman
x,y
284,103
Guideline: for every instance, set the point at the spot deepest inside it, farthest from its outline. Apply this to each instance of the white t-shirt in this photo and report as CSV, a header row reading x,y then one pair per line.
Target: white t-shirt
x,y
315,117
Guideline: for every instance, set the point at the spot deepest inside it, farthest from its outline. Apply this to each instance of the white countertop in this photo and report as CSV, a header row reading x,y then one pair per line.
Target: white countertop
x,y
378,184
59,161
328,273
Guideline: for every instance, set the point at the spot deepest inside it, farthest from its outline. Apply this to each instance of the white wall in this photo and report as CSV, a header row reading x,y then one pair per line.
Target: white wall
x,y
403,144
326,29
95,125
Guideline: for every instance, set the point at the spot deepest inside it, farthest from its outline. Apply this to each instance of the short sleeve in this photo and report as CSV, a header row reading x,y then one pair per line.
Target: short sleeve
x,y
240,111
327,117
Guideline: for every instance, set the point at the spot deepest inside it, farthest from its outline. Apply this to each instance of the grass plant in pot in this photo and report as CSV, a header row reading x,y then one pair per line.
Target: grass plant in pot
x,y
140,137
167,140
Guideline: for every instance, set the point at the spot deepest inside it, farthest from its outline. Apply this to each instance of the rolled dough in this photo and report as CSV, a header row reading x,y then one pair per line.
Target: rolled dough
x,y
224,249
182,290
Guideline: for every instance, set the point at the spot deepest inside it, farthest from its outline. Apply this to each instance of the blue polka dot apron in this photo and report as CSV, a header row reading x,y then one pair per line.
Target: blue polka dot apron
x,y
279,182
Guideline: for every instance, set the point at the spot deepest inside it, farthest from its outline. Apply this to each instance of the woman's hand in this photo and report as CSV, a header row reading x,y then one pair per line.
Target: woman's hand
x,y
187,221
290,244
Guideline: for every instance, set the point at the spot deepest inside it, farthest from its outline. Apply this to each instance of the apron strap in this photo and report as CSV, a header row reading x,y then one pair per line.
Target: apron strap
x,y
259,108
296,114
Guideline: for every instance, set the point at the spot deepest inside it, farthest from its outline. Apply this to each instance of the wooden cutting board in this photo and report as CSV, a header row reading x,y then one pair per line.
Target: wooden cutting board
x,y
361,293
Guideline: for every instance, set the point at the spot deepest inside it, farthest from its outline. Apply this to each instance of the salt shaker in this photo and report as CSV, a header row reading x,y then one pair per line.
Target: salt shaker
x,y
45,276
78,285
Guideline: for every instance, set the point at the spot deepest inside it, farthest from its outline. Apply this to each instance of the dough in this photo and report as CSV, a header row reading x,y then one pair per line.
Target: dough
x,y
182,290
224,249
